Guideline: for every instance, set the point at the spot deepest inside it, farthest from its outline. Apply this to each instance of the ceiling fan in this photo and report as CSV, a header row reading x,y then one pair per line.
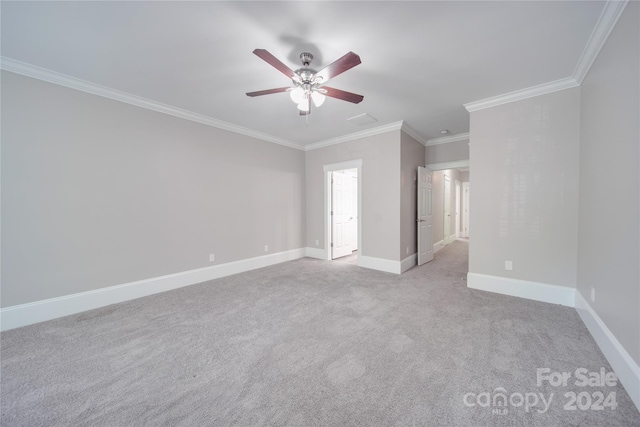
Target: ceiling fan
x,y
308,84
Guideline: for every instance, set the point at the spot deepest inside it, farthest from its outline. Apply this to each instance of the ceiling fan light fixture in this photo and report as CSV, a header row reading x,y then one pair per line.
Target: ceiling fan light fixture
x,y
318,98
297,94
304,105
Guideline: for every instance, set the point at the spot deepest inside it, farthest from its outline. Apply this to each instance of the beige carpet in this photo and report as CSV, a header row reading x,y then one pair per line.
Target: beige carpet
x,y
310,343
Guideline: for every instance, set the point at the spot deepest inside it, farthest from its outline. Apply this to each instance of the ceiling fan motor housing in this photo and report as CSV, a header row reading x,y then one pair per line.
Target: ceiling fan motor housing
x,y
305,73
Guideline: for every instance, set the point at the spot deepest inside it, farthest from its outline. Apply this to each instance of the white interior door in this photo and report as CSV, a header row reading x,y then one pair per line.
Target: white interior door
x,y
465,212
457,205
447,210
341,202
425,215
354,210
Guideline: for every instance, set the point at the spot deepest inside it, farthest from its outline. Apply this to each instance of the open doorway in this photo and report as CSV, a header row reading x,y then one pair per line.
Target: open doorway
x,y
451,209
343,210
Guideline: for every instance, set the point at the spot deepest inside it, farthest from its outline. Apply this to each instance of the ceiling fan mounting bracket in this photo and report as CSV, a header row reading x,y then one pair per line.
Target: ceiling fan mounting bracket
x,y
306,58
304,75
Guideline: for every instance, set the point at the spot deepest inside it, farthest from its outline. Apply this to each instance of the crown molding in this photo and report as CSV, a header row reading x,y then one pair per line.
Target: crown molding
x,y
356,135
448,139
412,133
49,76
458,164
607,21
401,126
519,95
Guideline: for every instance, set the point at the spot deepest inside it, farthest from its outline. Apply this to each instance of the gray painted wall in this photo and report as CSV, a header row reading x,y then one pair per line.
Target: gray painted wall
x,y
608,232
412,153
524,159
98,193
380,181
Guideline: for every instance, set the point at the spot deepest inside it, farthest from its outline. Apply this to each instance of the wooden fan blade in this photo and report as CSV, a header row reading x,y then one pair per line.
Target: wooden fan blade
x,y
343,64
274,62
268,91
344,95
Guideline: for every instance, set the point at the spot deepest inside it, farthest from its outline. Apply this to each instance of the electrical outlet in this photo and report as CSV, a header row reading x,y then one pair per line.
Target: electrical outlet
x,y
593,294
317,242
407,250
266,248
508,265
212,257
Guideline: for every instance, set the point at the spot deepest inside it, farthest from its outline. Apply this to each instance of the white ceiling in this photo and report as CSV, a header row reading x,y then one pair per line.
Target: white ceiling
x,y
421,60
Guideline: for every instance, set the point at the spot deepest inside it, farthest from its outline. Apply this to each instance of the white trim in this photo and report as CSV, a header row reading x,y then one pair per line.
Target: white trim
x,y
412,133
437,246
519,95
349,164
607,21
327,169
43,74
626,368
355,136
448,139
49,76
448,165
319,253
40,311
521,288
380,264
401,126
408,263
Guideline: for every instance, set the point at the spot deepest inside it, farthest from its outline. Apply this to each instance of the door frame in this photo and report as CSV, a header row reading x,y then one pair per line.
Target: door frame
x,y
352,164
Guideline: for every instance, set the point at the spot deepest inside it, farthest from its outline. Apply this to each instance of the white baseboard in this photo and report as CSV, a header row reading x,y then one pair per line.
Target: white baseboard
x,y
380,264
521,288
40,311
625,367
315,253
437,246
408,263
